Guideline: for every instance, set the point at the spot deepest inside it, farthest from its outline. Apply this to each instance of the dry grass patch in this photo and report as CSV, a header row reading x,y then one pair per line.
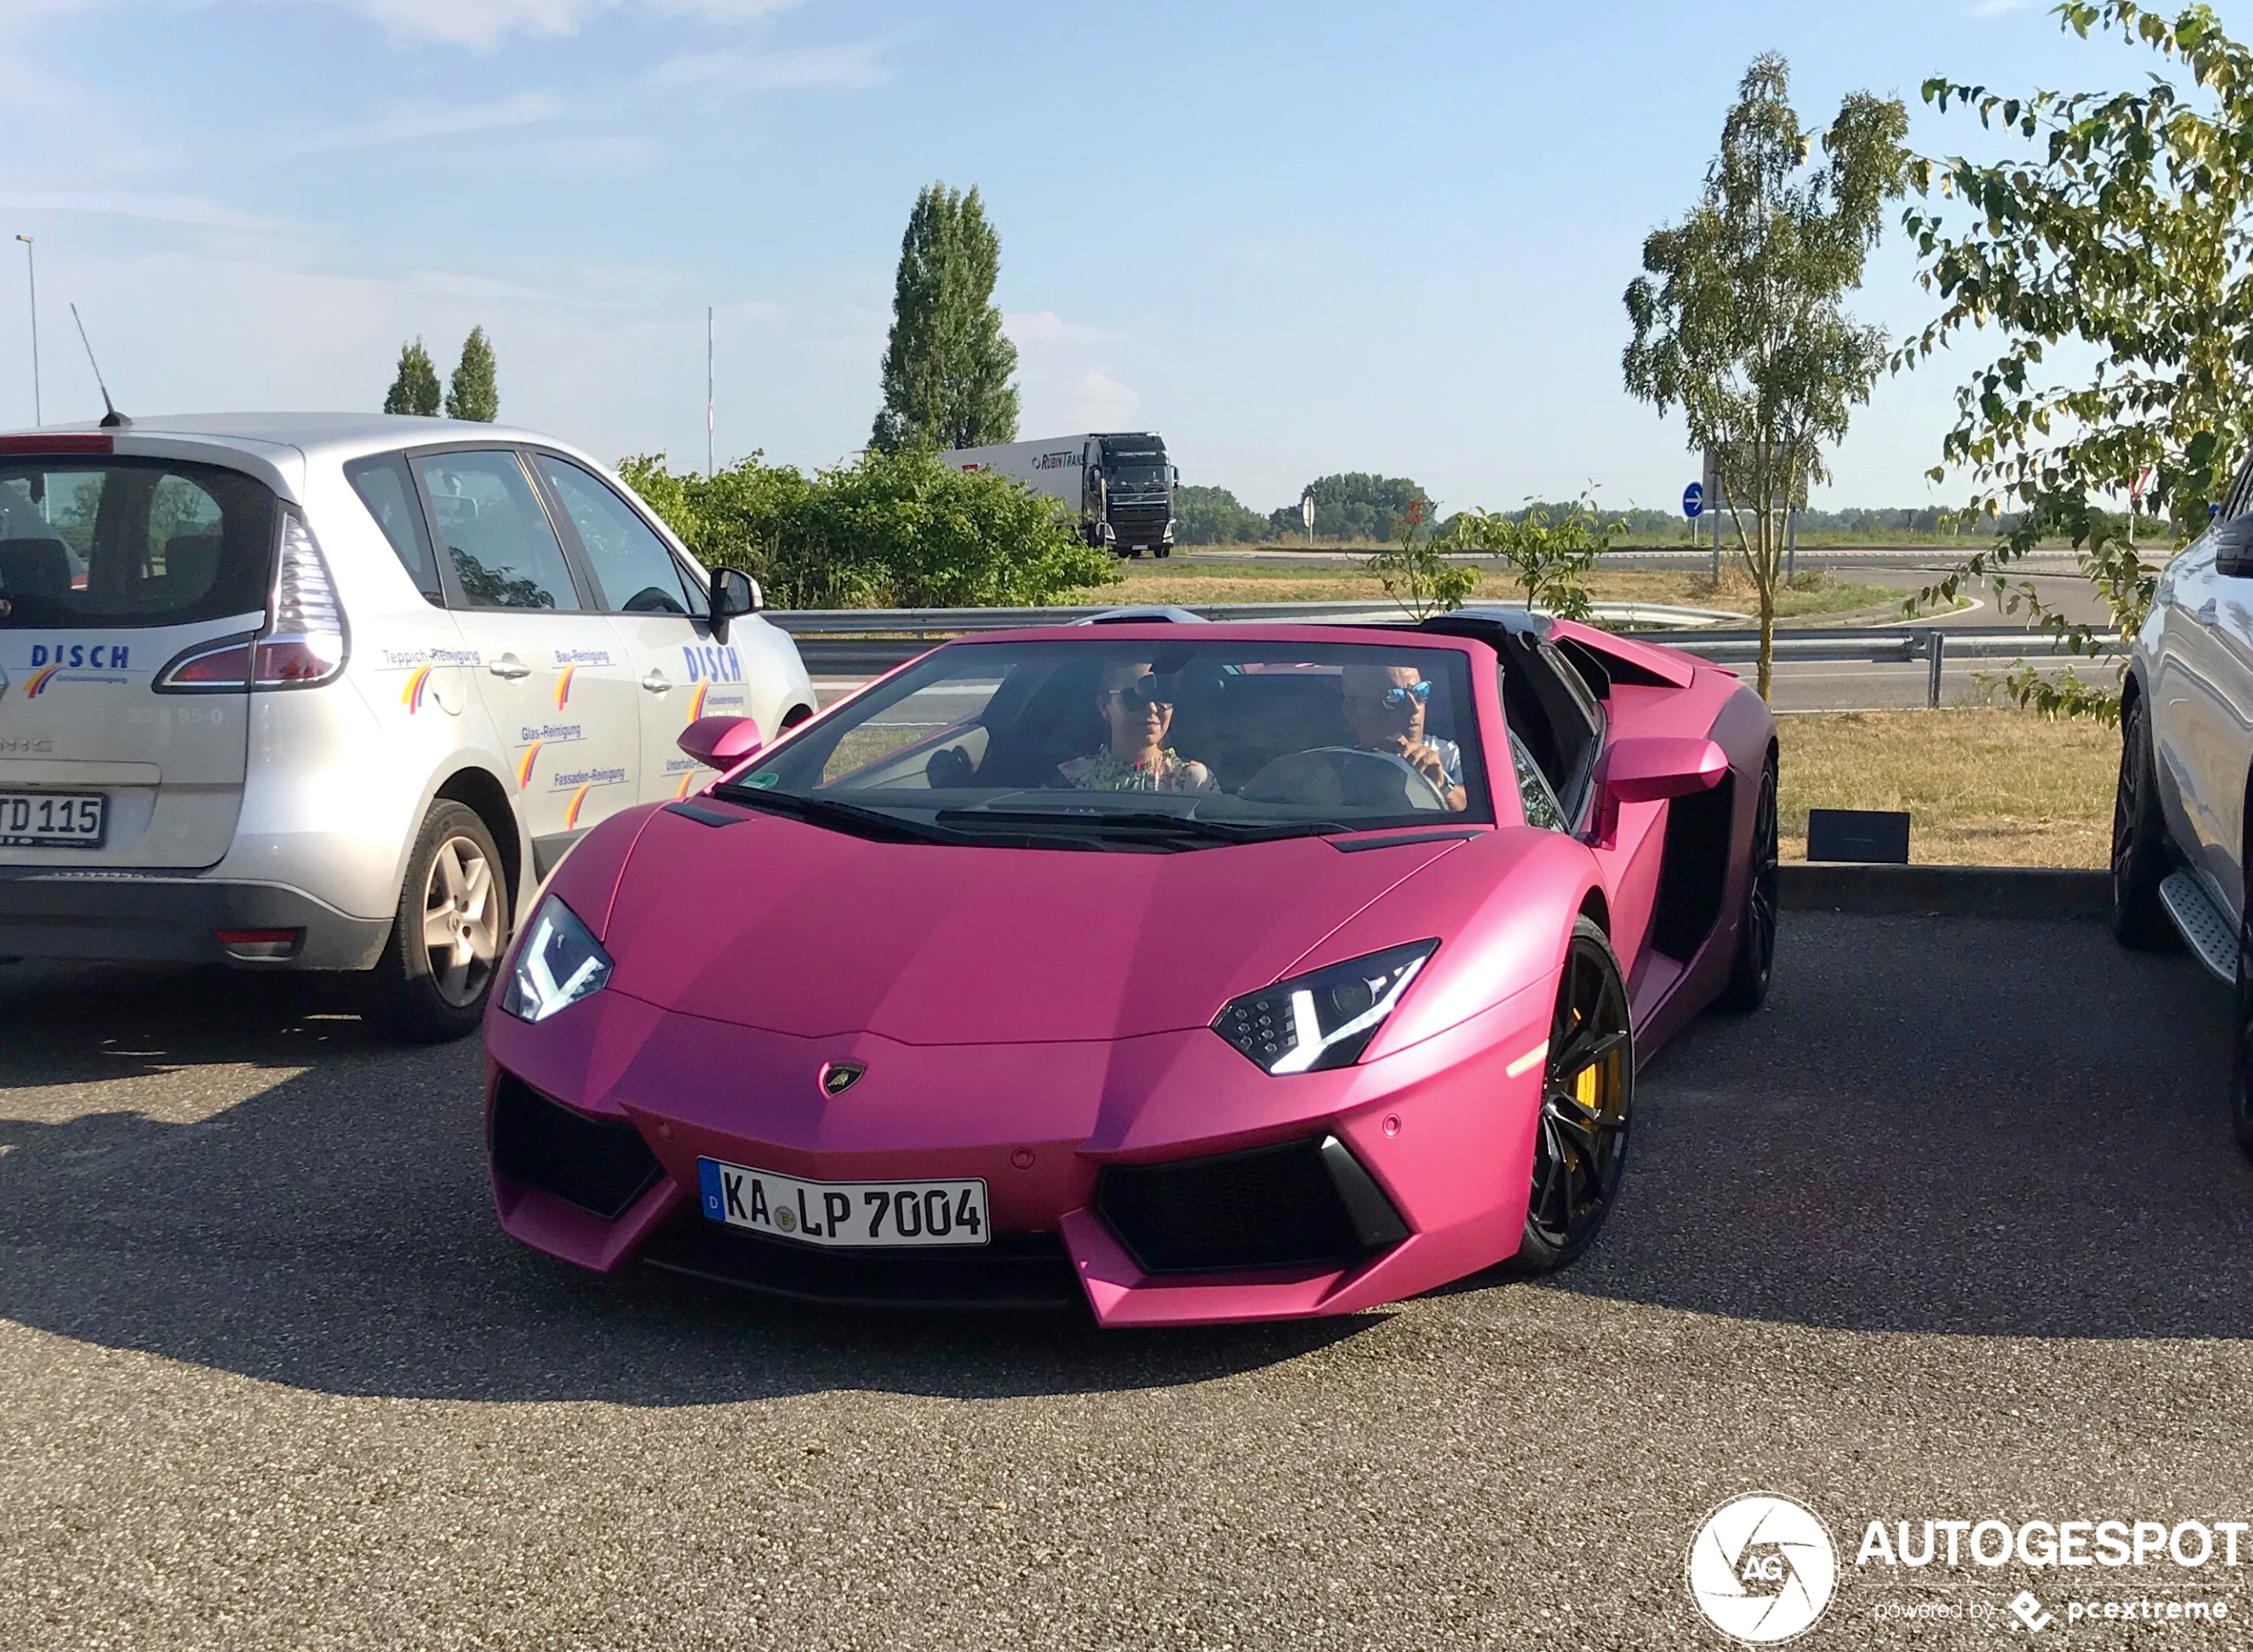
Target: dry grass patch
x,y
1983,787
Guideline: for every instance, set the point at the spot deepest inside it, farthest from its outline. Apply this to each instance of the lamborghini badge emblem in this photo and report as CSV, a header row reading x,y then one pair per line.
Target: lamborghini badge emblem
x,y
839,1076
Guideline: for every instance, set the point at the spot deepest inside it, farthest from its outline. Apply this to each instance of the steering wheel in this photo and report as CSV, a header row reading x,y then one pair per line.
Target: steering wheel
x,y
1377,780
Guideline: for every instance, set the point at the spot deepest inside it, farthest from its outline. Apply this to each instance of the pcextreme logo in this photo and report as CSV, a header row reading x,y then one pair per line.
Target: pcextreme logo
x,y
1763,1569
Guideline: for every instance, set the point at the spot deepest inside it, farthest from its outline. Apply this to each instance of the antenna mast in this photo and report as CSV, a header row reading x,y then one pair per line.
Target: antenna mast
x,y
112,420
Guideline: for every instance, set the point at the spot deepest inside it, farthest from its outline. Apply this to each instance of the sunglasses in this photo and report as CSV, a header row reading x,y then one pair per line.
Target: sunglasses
x,y
1400,693
1141,696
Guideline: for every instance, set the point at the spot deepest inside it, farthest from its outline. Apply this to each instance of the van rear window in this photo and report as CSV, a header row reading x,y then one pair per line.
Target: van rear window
x,y
123,543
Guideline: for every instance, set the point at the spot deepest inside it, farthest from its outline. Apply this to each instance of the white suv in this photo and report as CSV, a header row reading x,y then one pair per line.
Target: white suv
x,y
334,692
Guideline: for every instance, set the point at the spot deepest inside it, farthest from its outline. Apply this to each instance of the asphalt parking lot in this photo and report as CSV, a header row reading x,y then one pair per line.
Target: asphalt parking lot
x,y
1953,1229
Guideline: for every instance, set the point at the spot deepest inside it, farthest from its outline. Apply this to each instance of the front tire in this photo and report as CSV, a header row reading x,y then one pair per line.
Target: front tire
x,y
452,924
2139,848
1587,1099
1748,977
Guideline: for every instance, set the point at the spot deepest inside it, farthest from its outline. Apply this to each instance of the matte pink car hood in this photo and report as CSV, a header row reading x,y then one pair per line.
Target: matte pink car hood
x,y
774,923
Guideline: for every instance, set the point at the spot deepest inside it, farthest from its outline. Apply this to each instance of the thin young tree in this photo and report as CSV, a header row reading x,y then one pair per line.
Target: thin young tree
x,y
1739,316
946,366
414,388
474,393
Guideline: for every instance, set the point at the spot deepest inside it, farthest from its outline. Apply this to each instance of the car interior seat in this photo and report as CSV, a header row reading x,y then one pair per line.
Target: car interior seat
x,y
34,567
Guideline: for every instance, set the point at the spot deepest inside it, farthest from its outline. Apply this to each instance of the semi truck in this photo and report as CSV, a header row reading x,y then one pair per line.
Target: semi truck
x,y
1119,483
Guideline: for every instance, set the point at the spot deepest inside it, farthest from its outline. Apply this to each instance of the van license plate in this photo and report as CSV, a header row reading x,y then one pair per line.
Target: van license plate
x,y
53,820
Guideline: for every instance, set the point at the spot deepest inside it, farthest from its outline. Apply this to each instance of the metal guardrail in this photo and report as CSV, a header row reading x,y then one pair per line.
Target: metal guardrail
x,y
876,639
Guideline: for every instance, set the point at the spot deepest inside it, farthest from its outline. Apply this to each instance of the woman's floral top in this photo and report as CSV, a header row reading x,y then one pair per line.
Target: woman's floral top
x,y
1169,772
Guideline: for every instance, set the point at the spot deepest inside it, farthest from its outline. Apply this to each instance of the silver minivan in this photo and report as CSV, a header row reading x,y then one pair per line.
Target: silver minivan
x,y
334,692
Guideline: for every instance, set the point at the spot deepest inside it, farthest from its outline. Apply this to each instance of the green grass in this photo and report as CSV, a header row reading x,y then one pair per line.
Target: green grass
x,y
1983,787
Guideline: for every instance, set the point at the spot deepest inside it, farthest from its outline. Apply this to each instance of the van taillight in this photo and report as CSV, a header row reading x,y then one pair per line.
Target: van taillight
x,y
208,668
303,643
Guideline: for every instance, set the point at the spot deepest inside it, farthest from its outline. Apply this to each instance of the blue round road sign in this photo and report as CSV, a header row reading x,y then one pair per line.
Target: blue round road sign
x,y
1693,499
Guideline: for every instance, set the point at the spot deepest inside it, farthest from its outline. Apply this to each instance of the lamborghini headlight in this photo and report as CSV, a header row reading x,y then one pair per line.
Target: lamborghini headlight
x,y
560,963
1324,1018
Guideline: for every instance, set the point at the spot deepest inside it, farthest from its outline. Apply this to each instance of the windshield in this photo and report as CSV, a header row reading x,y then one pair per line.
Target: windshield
x,y
1215,740
1137,477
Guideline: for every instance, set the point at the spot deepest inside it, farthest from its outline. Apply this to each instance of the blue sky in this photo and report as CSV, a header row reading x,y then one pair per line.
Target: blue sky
x,y
1294,238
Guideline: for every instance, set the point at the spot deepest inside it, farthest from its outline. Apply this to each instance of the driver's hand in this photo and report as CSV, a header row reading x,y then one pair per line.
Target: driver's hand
x,y
1427,763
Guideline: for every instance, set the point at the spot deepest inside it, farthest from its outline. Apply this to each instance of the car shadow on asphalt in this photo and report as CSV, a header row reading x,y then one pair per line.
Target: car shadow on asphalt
x,y
1943,1125
334,1232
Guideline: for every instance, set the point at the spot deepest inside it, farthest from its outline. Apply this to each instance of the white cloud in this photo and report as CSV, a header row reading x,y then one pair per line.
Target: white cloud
x,y
409,124
486,22
796,68
1098,389
1035,329
188,210
1998,8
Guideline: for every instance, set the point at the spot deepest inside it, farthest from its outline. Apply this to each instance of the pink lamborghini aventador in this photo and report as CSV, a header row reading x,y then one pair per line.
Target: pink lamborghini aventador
x,y
1197,972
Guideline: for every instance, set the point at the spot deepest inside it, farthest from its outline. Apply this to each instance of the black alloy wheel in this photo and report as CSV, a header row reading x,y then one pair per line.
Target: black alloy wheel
x,y
1586,1097
1748,977
2139,850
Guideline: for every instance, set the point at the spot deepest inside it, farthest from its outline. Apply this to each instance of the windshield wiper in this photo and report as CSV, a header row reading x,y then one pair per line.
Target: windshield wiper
x,y
1142,823
826,812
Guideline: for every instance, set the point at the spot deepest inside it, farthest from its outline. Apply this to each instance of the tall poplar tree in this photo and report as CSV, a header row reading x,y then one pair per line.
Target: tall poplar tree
x,y
415,387
947,365
474,393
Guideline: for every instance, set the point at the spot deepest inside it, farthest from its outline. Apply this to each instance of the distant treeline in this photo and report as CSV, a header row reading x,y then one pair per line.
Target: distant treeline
x,y
1361,508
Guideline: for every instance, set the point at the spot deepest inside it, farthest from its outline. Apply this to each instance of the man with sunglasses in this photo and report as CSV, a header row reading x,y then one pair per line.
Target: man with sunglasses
x,y
1138,710
1384,707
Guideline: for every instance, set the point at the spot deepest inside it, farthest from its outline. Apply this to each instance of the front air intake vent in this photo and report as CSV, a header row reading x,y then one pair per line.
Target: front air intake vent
x,y
599,1164
1299,1203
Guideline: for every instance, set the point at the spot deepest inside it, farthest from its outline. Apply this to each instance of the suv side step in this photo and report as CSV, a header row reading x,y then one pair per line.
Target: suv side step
x,y
2203,927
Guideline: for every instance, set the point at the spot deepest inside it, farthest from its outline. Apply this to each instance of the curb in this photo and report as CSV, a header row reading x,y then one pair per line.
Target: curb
x,y
1943,891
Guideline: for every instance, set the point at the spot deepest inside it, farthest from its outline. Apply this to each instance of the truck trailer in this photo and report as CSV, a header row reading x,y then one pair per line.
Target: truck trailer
x,y
1119,483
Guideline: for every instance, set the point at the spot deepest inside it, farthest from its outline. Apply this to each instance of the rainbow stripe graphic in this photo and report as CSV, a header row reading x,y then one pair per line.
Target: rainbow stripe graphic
x,y
563,686
571,813
696,700
524,765
417,681
37,681
685,778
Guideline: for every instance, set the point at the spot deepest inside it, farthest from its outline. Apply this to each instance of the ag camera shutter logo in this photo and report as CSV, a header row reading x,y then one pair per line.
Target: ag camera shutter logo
x,y
1763,1569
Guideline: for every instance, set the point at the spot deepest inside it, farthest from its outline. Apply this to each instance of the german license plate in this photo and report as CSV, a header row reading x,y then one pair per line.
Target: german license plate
x,y
53,820
848,1216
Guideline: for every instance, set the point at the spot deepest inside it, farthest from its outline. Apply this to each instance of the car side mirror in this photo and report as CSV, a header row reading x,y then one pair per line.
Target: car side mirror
x,y
1648,768
721,742
734,592
2234,548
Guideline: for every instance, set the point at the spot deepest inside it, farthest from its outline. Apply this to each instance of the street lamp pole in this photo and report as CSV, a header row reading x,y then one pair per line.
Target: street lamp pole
x,y
31,274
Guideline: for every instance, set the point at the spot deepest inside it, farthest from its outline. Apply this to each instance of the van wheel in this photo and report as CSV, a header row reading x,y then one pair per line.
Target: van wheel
x,y
452,926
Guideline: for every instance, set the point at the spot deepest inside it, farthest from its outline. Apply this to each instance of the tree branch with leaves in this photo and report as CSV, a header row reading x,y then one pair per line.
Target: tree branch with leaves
x,y
2128,227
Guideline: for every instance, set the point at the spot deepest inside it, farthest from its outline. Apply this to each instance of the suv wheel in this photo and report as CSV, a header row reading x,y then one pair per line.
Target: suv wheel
x,y
2139,853
452,926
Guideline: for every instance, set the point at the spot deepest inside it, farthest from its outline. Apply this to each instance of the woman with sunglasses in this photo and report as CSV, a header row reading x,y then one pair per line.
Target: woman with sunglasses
x,y
1137,758
1384,707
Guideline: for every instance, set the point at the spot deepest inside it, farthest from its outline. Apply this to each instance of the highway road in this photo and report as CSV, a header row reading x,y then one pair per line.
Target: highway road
x,y
1954,1230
